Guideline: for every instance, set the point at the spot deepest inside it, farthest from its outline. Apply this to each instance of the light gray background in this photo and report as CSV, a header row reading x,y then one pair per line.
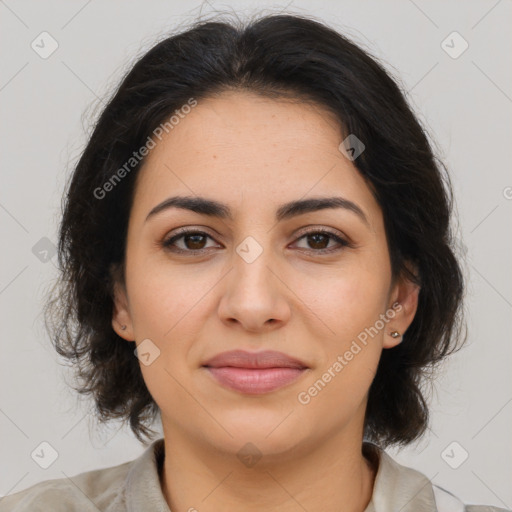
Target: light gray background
x,y
464,102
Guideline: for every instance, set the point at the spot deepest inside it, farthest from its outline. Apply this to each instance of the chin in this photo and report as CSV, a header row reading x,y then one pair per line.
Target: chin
x,y
270,432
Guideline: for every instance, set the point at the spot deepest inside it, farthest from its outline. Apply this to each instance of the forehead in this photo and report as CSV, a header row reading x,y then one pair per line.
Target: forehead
x,y
242,146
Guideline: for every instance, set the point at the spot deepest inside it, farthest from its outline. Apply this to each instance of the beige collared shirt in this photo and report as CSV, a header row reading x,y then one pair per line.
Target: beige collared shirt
x,y
135,487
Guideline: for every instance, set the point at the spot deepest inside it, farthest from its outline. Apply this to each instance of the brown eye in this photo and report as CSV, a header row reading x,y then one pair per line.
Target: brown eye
x,y
193,241
318,241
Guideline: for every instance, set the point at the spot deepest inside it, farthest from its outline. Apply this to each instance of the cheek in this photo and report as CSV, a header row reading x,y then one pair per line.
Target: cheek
x,y
348,307
168,307
351,307
347,300
166,298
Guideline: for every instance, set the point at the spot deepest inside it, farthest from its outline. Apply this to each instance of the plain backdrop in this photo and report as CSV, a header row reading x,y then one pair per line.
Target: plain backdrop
x,y
462,97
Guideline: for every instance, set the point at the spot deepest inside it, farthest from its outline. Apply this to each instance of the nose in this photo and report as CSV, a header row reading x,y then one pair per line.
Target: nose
x,y
255,296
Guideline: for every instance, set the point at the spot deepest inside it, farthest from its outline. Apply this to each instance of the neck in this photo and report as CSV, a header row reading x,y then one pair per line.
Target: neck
x,y
205,479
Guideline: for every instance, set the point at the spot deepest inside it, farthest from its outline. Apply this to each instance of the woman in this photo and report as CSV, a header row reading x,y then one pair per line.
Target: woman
x,y
259,218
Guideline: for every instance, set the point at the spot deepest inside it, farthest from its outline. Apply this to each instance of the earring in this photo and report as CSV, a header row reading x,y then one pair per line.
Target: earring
x,y
123,327
395,334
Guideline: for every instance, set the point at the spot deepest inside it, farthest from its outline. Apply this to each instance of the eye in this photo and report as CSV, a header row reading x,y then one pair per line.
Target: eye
x,y
318,241
193,241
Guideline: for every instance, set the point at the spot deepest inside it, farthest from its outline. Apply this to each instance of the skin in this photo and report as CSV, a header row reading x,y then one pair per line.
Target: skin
x,y
253,154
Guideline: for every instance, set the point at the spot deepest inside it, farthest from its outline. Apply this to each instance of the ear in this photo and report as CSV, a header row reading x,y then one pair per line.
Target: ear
x,y
404,302
121,312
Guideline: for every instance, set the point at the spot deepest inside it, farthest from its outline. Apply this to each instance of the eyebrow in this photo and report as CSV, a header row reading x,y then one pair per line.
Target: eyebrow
x,y
212,208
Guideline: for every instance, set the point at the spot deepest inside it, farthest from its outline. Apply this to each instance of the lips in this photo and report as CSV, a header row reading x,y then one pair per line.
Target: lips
x,y
254,372
243,359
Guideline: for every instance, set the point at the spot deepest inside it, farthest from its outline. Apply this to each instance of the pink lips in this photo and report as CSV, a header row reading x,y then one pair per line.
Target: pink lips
x,y
254,372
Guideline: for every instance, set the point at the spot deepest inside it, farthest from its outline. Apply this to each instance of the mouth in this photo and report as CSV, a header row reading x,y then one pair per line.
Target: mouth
x,y
255,381
254,373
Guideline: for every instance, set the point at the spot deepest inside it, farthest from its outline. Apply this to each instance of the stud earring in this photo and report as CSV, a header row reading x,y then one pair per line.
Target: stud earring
x,y
395,334
123,327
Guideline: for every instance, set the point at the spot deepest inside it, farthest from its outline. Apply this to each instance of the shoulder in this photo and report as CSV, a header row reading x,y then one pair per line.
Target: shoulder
x,y
100,489
485,508
399,487
446,501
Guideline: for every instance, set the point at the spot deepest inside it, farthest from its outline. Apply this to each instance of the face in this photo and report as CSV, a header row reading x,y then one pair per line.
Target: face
x,y
314,284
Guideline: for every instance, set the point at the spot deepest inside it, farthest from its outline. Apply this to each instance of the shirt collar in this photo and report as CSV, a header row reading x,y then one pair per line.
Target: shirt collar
x,y
143,489
396,487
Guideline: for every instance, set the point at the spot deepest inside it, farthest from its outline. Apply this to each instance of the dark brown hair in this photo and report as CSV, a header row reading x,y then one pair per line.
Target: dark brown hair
x,y
275,56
